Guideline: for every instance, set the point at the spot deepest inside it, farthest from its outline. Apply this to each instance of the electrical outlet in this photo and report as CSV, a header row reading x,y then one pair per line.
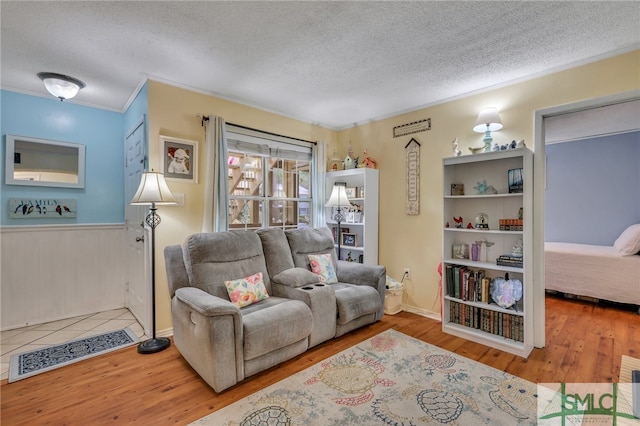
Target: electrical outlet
x,y
407,273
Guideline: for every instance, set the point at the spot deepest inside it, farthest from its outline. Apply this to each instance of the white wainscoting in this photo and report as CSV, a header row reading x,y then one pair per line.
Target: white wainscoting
x,y
54,272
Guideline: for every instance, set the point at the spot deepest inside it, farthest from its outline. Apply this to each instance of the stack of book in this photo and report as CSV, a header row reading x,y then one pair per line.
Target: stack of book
x,y
509,260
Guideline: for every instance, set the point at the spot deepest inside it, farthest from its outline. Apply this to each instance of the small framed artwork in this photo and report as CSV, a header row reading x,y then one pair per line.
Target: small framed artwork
x,y
350,240
460,251
351,192
179,159
515,181
457,189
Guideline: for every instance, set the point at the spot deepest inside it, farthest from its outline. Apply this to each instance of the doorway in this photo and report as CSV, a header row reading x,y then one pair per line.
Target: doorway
x,y
541,121
138,276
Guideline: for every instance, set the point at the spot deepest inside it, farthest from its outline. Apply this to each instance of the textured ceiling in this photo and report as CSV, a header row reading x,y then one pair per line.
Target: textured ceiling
x,y
331,63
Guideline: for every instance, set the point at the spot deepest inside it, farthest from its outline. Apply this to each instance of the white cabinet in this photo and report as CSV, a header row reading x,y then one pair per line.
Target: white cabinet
x,y
363,223
468,309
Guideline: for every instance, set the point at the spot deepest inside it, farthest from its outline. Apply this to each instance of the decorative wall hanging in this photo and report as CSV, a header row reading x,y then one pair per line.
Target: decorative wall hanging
x,y
179,159
413,176
37,208
410,128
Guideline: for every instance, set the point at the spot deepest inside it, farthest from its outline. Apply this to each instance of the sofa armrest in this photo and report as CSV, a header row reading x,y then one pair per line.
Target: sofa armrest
x,y
360,274
296,277
208,332
206,304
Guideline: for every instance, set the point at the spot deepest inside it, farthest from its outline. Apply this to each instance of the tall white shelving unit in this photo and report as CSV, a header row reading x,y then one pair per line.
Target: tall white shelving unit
x,y
507,329
366,228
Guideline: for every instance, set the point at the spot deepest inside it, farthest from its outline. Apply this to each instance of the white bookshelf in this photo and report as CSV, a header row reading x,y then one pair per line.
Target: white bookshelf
x,y
482,318
366,228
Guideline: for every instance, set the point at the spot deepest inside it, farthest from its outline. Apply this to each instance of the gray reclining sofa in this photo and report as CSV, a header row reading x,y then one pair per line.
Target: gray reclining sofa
x,y
225,344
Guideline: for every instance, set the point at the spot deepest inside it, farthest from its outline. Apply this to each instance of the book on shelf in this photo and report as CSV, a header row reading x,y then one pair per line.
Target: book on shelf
x,y
502,324
509,260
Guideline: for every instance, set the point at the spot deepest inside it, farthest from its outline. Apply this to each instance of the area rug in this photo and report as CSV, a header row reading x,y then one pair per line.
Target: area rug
x,y
390,379
38,361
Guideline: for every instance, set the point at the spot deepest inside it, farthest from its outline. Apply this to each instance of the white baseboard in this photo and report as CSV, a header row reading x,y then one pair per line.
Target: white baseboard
x,y
422,312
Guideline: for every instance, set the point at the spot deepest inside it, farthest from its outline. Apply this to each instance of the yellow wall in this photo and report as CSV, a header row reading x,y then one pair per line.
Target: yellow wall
x,y
404,241
172,112
415,241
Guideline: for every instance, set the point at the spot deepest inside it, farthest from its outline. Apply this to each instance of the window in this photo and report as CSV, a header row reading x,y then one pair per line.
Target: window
x,y
269,180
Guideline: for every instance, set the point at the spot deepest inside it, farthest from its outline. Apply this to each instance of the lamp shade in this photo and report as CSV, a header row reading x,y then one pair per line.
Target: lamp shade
x,y
153,189
487,117
338,196
61,86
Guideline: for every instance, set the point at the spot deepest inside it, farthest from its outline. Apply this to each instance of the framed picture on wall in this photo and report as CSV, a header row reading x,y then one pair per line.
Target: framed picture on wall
x,y
179,159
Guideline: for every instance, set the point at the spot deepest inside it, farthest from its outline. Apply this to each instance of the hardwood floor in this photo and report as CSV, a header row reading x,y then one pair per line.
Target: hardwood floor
x,y
585,342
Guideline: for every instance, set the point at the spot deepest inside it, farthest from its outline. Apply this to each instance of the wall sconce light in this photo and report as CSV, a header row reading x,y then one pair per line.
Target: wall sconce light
x,y
488,120
61,86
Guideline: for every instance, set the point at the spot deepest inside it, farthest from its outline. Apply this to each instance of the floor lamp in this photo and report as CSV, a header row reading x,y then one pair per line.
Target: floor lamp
x,y
339,200
153,190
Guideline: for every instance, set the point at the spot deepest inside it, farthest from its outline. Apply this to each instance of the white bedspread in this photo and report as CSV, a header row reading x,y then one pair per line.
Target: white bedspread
x,y
594,271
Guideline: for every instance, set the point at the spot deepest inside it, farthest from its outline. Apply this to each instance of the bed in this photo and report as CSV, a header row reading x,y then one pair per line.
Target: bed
x,y
599,272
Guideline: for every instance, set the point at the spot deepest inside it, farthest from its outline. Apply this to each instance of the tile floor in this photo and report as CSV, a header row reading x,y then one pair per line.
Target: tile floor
x,y
52,333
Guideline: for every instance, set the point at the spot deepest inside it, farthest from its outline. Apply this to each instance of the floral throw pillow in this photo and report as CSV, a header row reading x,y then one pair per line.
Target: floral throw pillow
x,y
245,291
321,266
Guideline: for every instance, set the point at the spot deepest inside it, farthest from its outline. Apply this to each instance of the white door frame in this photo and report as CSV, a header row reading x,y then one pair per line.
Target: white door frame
x,y
539,177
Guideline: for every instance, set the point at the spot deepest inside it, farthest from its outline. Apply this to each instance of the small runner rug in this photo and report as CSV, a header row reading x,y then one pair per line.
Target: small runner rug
x,y
390,379
38,361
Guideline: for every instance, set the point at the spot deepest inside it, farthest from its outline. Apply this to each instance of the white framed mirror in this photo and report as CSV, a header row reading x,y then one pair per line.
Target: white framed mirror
x,y
42,162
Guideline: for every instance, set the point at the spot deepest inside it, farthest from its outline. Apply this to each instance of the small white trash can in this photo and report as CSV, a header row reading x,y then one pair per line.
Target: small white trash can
x,y
393,297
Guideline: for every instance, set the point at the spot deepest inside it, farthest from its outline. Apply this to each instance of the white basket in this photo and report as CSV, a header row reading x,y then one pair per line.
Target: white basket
x,y
393,301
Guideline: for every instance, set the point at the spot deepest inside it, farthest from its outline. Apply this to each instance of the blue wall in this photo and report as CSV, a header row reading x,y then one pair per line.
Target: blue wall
x,y
101,131
593,189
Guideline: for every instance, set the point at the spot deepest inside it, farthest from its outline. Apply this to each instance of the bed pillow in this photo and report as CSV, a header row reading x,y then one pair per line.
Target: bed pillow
x,y
628,243
245,291
321,266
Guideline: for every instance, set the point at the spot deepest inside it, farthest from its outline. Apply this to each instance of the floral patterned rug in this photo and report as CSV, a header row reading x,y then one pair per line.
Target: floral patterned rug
x,y
390,379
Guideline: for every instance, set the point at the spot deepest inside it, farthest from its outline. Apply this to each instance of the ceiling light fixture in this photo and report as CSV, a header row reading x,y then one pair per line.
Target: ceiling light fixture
x,y
488,121
61,86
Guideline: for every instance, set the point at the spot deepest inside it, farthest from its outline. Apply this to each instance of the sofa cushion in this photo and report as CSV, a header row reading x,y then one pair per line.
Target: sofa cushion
x,y
355,301
321,266
306,241
246,291
212,258
273,324
276,250
295,277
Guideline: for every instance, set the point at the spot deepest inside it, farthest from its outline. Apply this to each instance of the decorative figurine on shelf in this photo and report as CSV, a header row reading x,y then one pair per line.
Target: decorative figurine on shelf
x,y
454,148
349,259
482,221
458,221
446,225
520,144
483,249
469,226
367,161
483,189
348,161
335,163
516,250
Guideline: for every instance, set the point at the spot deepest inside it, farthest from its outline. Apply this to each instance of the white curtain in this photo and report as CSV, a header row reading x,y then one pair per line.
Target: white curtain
x,y
318,178
216,193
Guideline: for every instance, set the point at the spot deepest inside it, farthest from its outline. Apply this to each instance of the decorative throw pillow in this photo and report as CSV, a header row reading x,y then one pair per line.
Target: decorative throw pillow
x,y
248,290
628,243
321,266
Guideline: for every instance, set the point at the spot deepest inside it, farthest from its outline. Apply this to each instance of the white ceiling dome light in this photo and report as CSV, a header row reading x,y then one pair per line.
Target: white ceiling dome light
x,y
61,86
